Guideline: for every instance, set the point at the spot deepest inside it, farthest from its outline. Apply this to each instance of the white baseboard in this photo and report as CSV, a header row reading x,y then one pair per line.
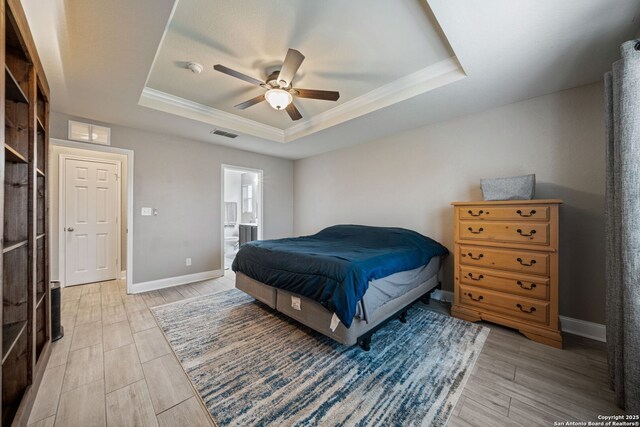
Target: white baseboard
x,y
582,328
153,285
123,274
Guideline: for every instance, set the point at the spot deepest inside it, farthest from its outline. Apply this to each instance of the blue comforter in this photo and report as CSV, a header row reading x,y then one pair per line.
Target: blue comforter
x,y
334,266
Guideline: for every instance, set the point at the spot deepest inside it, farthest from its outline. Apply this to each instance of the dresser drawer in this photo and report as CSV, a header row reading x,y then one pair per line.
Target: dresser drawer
x,y
508,232
527,286
505,259
517,213
513,306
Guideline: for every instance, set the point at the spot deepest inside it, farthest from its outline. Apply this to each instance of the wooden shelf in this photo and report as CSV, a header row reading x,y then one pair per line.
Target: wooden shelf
x,y
39,298
13,90
9,246
40,125
40,173
10,335
11,155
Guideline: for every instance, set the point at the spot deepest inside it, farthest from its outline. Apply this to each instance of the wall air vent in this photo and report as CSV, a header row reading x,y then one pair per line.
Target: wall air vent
x,y
224,133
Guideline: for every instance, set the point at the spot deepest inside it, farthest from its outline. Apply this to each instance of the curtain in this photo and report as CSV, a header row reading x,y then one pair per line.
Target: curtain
x,y
622,213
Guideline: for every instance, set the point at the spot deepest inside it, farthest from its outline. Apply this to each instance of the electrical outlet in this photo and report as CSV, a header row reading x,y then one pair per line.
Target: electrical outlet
x,y
188,261
146,211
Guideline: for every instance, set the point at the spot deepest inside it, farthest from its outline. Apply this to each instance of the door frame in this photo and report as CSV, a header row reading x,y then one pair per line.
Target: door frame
x,y
129,189
260,172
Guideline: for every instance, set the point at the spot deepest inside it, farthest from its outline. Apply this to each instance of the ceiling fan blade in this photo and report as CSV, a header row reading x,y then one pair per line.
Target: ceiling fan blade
x,y
290,67
325,95
238,75
293,112
249,103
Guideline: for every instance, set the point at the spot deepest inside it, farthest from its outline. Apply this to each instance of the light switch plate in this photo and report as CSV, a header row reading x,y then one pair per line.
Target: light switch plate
x,y
147,211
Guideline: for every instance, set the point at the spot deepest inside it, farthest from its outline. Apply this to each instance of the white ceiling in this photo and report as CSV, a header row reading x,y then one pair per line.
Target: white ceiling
x,y
387,41
98,54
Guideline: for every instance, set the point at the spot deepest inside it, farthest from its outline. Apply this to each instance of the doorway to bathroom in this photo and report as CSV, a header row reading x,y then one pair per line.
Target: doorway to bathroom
x,y
241,209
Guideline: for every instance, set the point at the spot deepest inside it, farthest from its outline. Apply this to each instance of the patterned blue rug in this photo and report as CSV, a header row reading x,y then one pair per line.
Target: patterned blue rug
x,y
253,366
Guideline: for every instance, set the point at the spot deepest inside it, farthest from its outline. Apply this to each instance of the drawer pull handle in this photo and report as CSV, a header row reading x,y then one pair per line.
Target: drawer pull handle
x,y
477,279
480,230
531,213
478,214
476,258
531,233
474,299
522,309
522,285
533,261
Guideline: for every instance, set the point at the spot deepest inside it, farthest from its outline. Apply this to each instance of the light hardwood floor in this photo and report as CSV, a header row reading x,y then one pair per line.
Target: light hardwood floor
x,y
114,367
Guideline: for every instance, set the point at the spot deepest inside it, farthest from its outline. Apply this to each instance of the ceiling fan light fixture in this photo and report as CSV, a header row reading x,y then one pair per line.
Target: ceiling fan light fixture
x,y
195,67
278,98
280,93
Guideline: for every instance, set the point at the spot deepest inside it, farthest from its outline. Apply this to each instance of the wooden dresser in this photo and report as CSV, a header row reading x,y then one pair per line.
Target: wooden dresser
x,y
506,266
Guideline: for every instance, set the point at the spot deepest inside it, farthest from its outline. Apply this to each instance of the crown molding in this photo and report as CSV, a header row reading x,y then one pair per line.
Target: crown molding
x,y
162,101
432,77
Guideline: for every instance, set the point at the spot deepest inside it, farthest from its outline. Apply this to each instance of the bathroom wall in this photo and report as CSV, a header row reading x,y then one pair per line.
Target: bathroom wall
x,y
251,180
232,192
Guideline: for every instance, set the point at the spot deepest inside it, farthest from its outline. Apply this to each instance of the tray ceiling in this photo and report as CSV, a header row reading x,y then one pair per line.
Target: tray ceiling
x,y
374,52
98,55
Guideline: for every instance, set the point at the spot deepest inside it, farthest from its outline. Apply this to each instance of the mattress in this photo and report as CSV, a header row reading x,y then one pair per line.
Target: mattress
x,y
380,290
391,287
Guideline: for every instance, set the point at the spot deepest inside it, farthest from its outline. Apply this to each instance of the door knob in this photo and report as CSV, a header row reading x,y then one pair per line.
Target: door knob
x,y
69,229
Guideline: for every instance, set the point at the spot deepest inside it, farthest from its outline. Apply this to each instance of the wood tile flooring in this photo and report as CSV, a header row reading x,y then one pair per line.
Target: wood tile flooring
x,y
114,367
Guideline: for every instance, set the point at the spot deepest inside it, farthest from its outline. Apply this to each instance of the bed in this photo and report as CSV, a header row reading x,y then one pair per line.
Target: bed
x,y
345,281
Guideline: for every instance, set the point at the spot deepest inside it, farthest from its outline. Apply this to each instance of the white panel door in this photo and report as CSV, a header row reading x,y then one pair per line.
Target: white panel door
x,y
91,221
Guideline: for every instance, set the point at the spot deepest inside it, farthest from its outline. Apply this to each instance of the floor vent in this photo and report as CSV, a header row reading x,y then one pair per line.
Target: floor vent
x,y
224,133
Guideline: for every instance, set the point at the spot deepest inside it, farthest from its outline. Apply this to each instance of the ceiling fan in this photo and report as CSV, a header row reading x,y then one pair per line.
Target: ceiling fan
x,y
279,92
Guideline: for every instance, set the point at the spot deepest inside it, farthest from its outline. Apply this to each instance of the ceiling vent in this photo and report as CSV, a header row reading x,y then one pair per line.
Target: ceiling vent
x,y
224,133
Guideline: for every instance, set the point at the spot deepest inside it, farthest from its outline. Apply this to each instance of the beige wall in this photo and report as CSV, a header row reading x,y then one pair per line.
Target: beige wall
x,y
54,184
182,179
410,179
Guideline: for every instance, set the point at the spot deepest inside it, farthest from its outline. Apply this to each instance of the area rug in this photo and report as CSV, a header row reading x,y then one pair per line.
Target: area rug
x,y
253,366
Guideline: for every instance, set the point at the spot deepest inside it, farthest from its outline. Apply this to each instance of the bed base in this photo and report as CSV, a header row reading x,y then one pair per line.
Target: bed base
x,y
364,341
315,316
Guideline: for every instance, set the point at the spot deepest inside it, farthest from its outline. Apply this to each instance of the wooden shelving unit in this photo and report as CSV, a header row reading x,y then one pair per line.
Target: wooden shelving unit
x,y
13,89
11,333
25,314
9,246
